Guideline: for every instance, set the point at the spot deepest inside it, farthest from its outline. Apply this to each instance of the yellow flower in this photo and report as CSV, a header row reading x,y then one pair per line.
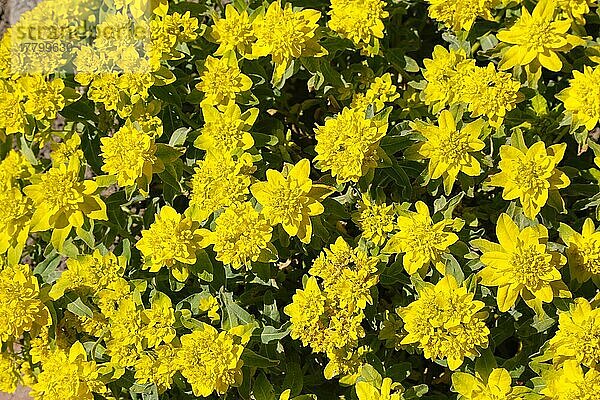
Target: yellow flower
x,y
219,181
445,322
570,383
583,250
62,201
423,241
530,175
488,92
157,367
130,155
9,373
348,275
497,386
461,14
449,148
359,21
348,144
389,390
227,129
12,110
13,167
291,198
381,91
242,235
91,272
234,32
68,376
222,80
44,99
375,220
210,360
285,35
62,152
158,321
537,38
581,97
575,9
521,264
445,73
15,215
171,241
577,335
305,313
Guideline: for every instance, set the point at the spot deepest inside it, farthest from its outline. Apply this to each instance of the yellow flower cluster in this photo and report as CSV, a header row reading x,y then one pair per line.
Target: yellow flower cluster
x,y
445,322
452,78
359,21
461,14
498,385
329,319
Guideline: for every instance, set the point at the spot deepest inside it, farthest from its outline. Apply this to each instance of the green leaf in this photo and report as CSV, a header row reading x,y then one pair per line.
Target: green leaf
x,y
485,363
252,359
270,334
179,136
79,308
262,388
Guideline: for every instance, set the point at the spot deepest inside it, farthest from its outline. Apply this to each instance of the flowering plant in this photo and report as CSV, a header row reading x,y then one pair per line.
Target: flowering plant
x,y
258,200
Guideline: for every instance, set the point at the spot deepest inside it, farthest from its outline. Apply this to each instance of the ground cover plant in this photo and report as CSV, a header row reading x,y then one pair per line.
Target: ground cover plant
x,y
358,199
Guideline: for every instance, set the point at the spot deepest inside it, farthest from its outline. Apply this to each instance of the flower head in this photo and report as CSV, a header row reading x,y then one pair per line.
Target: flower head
x,y
569,382
530,174
445,322
222,80
423,241
449,148
227,129
21,309
130,155
578,335
219,181
15,215
582,97
210,360
348,144
375,220
234,32
290,199
9,372
68,376
171,241
286,34
461,14
380,91
62,201
583,250
241,235
521,264
359,21
69,147
157,367
537,38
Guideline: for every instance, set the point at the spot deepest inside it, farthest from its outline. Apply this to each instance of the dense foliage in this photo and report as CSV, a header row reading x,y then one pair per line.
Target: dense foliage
x,y
359,199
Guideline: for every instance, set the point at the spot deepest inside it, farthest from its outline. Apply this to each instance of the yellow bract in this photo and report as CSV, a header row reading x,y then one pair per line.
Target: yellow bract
x,y
234,32
423,241
536,39
521,264
582,97
62,201
375,220
496,386
210,360
577,335
291,198
226,129
359,21
348,144
171,241
570,382
461,14
530,175
445,322
285,34
449,148
241,236
130,155
389,390
221,81
583,250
